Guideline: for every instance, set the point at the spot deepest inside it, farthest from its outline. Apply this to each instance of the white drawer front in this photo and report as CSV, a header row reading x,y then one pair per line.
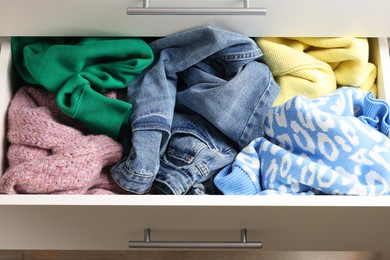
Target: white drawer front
x,y
91,222
109,222
282,18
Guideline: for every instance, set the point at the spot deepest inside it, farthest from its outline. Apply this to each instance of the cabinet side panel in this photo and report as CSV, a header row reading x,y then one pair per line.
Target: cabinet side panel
x,y
5,96
379,55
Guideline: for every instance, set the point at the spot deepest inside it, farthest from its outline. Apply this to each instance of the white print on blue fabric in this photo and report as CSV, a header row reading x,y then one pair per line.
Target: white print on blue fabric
x,y
304,118
249,163
319,146
327,147
302,138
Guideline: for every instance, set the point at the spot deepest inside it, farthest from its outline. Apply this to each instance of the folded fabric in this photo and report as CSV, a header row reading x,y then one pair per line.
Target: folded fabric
x,y
195,152
204,71
78,70
335,144
47,154
317,66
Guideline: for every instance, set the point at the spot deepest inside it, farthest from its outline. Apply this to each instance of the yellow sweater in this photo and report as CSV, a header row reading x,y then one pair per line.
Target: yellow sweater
x,y
317,66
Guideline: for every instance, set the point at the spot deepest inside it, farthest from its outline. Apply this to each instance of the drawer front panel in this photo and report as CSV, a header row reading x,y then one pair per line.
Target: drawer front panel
x,y
112,227
282,18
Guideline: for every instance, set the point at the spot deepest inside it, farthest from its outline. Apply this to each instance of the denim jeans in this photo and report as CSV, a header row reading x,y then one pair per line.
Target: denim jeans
x,y
204,71
195,152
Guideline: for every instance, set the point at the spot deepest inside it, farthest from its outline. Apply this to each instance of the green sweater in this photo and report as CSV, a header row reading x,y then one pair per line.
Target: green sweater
x,y
79,70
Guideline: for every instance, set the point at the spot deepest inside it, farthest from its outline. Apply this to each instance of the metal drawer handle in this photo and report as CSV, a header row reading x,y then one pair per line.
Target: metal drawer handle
x,y
195,244
147,10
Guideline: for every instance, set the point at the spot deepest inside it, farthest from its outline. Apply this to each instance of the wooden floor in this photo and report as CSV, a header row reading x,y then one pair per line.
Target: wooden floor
x,y
188,255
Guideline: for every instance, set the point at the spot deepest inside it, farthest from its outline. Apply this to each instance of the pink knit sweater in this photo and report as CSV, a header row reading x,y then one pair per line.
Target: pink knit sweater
x,y
49,153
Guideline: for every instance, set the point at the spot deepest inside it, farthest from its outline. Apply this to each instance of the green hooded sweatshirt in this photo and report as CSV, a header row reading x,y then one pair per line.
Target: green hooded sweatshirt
x,y
79,70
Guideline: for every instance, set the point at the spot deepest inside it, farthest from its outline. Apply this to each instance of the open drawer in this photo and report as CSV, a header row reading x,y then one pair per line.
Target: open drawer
x,y
109,222
97,222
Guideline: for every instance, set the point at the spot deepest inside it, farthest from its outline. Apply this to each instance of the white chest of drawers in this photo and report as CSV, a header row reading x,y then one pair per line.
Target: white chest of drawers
x,y
96,222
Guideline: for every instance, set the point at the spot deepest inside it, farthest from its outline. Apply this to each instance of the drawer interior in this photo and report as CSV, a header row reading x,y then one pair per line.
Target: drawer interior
x,y
379,55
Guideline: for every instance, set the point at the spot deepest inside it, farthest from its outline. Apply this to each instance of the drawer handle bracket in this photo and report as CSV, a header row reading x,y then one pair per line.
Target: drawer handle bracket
x,y
147,10
243,244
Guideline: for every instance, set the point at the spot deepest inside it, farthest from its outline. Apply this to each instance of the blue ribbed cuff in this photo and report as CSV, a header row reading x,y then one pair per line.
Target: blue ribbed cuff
x,y
235,181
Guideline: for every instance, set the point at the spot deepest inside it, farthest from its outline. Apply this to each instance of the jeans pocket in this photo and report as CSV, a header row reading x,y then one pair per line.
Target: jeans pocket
x,y
183,149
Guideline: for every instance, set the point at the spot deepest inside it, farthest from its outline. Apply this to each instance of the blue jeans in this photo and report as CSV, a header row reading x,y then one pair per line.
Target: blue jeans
x,y
195,152
204,71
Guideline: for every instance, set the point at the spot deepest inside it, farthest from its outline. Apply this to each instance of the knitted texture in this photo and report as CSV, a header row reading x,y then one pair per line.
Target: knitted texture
x,y
335,144
47,154
317,66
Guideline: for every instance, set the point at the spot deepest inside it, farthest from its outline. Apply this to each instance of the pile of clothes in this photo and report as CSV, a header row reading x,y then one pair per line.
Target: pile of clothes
x,y
204,111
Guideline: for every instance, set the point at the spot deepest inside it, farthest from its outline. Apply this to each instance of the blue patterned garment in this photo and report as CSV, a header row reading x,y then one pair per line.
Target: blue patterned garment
x,y
335,144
